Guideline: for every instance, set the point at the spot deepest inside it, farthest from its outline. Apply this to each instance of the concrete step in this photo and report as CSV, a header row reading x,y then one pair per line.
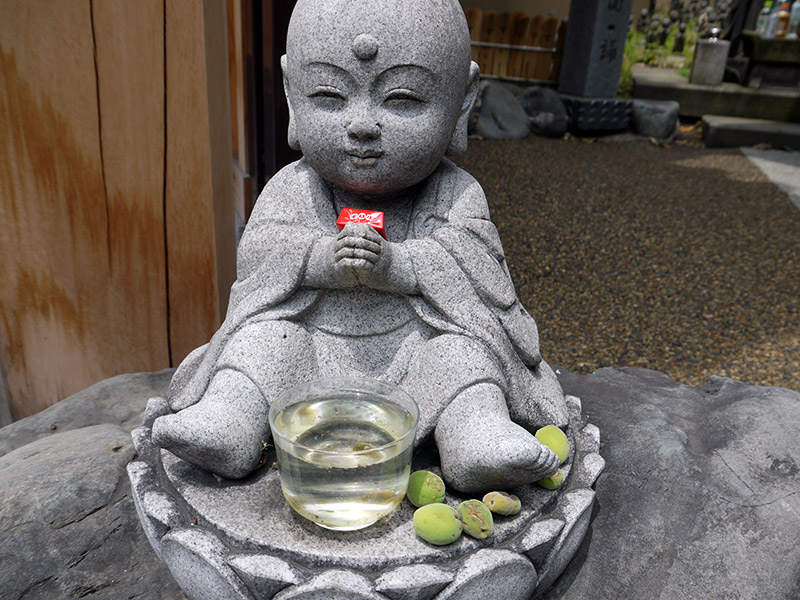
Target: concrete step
x,y
728,99
722,131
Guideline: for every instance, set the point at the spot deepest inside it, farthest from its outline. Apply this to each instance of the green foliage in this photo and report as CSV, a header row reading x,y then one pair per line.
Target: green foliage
x,y
639,52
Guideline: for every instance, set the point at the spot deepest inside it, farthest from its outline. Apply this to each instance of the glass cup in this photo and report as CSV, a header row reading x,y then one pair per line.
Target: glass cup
x,y
343,447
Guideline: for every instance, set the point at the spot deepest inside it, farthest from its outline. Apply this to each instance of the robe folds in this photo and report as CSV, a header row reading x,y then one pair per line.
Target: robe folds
x,y
464,285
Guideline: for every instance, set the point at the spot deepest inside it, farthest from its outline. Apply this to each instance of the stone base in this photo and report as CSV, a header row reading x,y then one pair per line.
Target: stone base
x,y
588,115
240,540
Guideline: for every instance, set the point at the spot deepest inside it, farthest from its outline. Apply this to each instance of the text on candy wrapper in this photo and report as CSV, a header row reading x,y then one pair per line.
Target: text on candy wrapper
x,y
354,215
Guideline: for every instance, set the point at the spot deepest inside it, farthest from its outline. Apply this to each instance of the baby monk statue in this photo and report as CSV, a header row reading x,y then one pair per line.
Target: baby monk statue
x,y
379,92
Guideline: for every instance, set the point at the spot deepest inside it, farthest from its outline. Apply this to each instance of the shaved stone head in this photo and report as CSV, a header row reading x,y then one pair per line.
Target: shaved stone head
x,y
379,90
421,32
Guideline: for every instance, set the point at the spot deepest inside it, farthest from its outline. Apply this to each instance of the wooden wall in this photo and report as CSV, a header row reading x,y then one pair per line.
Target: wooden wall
x,y
116,220
529,7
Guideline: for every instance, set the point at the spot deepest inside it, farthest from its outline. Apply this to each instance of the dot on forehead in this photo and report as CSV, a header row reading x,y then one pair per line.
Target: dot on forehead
x,y
365,47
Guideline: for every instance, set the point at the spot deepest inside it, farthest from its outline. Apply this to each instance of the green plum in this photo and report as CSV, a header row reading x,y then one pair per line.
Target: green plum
x,y
437,523
502,503
424,488
553,482
476,519
555,439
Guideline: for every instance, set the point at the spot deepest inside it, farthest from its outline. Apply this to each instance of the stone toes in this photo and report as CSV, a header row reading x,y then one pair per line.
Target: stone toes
x,y
229,447
168,431
547,465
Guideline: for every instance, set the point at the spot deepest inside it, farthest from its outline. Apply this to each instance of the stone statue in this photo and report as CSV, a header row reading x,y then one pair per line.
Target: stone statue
x,y
377,98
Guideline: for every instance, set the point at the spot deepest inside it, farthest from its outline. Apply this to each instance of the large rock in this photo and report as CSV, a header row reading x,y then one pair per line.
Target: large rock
x,y
68,525
700,496
119,400
500,115
547,114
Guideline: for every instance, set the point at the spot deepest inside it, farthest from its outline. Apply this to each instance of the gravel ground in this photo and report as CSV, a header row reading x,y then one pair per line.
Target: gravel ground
x,y
685,260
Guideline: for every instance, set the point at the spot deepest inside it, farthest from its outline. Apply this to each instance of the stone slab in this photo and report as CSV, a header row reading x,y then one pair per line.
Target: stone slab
x,y
782,168
119,400
725,99
68,526
724,132
699,500
701,491
655,118
770,50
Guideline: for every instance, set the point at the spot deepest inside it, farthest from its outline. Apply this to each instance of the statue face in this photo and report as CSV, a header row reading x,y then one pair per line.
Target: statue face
x,y
375,96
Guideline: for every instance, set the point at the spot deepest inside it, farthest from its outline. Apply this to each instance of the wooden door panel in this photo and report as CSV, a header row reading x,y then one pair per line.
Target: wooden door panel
x,y
64,324
199,179
115,190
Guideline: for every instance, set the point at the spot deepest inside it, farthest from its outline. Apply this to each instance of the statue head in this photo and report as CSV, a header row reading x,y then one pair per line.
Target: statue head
x,y
379,90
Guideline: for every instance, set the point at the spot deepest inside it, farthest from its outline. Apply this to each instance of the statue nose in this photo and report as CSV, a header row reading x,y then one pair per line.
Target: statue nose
x,y
363,129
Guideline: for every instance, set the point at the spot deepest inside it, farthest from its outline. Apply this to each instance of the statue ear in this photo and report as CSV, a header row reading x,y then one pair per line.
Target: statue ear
x,y
294,142
458,145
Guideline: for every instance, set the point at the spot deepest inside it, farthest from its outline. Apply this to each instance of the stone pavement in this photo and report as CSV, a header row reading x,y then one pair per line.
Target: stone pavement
x,y
782,169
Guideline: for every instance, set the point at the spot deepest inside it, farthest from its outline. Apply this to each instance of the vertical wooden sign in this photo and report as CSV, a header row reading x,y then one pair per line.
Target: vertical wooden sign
x,y
488,33
475,22
534,38
520,24
547,39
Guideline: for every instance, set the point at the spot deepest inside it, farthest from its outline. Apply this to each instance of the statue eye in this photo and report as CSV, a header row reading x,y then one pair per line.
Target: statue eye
x,y
403,99
329,98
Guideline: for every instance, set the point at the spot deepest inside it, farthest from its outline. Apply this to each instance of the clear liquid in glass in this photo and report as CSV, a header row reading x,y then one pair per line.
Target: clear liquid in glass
x,y
344,462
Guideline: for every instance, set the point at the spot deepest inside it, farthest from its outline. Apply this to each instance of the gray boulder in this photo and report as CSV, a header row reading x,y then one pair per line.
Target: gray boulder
x,y
500,115
119,400
547,114
68,525
655,118
700,496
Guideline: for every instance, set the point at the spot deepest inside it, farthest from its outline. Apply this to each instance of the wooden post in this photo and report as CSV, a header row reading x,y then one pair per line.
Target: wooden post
x,y
547,39
274,123
488,34
198,200
474,22
5,403
242,90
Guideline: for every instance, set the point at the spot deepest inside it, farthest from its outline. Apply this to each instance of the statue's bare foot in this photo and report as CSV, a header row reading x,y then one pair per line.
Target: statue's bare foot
x,y
482,449
224,432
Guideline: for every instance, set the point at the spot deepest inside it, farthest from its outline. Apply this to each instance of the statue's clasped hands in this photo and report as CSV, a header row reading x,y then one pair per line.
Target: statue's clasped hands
x,y
361,256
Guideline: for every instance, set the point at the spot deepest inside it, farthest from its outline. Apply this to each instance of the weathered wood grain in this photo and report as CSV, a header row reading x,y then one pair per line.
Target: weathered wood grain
x,y
198,201
82,295
115,190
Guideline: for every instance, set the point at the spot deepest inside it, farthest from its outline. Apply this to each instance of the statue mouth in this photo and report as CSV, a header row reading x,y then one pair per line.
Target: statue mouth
x,y
365,158
365,153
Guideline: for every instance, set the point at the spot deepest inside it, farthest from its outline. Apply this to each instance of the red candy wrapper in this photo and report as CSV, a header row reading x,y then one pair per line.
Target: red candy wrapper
x,y
354,215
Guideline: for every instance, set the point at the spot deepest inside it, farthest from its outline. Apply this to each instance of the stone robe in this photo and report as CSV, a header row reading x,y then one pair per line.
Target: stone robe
x,y
468,325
